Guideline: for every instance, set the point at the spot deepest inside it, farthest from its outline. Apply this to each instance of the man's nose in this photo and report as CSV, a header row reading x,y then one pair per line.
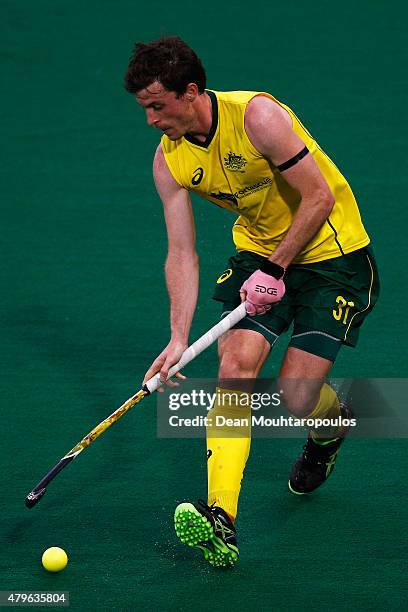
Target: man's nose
x,y
150,116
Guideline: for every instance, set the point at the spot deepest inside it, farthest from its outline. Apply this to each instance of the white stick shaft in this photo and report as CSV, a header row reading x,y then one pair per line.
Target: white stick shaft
x,y
201,344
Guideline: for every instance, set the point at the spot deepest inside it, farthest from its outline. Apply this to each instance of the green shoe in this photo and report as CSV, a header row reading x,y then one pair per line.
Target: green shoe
x,y
208,528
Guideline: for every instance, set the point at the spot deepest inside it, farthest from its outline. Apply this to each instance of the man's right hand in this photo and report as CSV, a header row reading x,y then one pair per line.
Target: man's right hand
x,y
162,364
262,290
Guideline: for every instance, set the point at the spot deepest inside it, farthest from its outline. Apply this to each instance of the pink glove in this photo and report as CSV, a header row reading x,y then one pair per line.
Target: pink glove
x,y
264,288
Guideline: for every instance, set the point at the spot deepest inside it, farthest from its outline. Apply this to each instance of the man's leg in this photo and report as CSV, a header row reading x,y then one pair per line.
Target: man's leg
x,y
210,527
301,378
242,354
307,395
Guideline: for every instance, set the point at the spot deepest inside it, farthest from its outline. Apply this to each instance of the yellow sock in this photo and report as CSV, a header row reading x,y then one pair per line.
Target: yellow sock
x,y
328,407
228,445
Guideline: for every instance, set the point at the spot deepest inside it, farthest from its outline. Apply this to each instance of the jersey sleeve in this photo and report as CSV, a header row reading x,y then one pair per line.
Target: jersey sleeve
x,y
173,160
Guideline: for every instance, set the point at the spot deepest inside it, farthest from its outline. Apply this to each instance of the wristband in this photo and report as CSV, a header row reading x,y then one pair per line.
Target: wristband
x,y
272,268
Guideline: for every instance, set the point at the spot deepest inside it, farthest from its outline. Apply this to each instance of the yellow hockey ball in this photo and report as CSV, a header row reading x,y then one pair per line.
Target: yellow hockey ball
x,y
54,559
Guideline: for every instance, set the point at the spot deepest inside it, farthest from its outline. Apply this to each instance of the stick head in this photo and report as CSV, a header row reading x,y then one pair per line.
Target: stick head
x,y
34,497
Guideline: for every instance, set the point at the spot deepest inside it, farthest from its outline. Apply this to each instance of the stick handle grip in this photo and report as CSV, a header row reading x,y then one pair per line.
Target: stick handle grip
x,y
201,344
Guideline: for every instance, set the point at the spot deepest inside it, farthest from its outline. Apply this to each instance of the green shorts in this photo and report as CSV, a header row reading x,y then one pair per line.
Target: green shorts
x,y
326,301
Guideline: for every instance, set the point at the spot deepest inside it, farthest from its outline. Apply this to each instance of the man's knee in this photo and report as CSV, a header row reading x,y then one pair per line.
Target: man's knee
x,y
301,379
300,396
242,354
237,366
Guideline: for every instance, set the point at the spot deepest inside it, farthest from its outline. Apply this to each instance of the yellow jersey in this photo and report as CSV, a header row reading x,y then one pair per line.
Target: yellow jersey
x,y
228,170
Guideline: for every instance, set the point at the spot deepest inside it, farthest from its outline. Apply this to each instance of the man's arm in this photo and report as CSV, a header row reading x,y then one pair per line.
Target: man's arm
x,y
269,128
181,264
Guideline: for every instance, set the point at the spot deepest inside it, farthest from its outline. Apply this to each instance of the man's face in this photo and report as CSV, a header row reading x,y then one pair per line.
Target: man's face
x,y
165,111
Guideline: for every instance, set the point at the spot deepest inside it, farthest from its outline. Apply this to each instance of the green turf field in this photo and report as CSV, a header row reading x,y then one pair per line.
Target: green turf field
x,y
83,245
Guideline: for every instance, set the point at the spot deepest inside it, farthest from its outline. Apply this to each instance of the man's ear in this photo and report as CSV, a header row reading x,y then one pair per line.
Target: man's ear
x,y
191,92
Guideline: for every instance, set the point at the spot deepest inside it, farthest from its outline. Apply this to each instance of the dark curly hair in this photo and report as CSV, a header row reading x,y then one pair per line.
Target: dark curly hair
x,y
168,60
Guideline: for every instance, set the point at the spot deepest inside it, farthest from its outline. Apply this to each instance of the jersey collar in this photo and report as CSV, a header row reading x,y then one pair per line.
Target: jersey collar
x,y
214,124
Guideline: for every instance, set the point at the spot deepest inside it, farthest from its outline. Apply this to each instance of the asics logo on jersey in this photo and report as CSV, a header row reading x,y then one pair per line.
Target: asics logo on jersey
x,y
224,276
197,176
269,290
235,162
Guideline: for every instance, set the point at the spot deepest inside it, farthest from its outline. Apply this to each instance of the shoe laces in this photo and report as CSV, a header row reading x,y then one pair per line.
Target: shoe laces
x,y
206,506
313,453
221,519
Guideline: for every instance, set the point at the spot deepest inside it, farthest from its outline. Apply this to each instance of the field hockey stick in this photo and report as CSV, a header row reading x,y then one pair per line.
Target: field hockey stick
x,y
149,387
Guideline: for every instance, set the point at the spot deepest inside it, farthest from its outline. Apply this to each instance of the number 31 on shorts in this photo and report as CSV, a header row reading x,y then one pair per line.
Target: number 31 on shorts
x,y
343,308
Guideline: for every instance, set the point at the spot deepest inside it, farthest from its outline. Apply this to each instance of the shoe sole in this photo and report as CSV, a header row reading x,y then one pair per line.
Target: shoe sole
x,y
296,492
195,530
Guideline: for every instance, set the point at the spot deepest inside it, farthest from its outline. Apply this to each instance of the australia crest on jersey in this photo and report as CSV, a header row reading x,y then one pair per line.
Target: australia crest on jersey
x,y
235,162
